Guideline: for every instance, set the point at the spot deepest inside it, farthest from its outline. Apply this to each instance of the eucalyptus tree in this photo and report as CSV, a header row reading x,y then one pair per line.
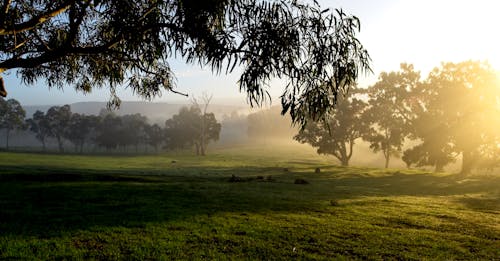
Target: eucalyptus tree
x,y
462,104
191,128
80,130
59,118
337,135
391,109
155,136
110,43
12,117
39,124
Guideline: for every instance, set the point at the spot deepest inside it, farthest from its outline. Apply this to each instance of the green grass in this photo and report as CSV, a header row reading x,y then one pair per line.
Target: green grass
x,y
58,207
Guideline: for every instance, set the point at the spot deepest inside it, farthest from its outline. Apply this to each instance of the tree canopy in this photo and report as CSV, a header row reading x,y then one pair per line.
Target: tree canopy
x,y
112,43
11,117
337,136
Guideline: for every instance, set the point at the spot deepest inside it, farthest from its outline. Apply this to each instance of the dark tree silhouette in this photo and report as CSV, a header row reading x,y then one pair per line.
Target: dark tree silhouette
x,y
185,129
91,44
133,130
337,136
107,131
12,117
39,124
390,111
154,136
58,118
460,115
80,128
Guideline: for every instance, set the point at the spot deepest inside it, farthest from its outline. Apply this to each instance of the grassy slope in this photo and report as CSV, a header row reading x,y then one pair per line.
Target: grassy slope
x,y
146,207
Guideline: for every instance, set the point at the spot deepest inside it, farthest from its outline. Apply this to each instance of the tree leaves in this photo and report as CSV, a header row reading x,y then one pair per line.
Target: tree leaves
x,y
114,43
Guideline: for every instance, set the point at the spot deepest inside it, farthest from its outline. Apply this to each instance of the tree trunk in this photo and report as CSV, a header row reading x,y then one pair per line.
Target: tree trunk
x,y
59,143
44,147
197,149
439,167
7,133
344,162
202,149
387,155
467,160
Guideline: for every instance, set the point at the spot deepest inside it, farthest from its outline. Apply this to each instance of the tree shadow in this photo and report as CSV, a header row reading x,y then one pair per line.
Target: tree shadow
x,y
41,202
46,202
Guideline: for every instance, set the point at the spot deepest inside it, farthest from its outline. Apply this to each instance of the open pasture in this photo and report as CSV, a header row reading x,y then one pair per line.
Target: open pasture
x,y
240,203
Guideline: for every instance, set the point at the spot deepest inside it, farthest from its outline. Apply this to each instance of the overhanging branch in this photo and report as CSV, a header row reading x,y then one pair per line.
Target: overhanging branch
x,y
33,22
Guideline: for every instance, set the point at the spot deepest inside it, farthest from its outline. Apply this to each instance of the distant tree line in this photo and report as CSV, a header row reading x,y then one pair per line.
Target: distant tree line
x,y
452,114
190,128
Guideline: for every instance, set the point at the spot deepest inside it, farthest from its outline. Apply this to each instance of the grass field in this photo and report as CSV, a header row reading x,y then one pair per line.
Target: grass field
x,y
174,206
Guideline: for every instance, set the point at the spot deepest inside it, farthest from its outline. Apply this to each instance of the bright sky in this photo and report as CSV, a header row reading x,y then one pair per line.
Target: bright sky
x,y
422,32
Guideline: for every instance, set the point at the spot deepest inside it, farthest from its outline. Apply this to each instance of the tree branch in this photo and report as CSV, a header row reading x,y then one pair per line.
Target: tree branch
x,y
33,22
5,10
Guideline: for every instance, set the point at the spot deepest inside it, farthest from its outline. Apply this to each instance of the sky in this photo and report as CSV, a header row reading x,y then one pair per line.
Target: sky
x,y
421,32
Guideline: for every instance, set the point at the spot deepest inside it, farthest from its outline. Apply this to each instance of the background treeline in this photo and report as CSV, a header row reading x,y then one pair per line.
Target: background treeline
x,y
452,114
58,129
108,132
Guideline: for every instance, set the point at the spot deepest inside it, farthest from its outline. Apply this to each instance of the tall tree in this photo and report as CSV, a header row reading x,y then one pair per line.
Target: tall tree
x,y
184,129
204,120
107,131
154,135
91,43
59,118
461,102
390,111
338,135
39,124
12,117
132,131
79,130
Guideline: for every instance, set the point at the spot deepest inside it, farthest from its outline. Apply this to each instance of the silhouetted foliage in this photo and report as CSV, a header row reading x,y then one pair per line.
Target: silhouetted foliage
x,y
59,118
107,130
459,116
155,136
91,44
390,111
132,131
39,124
80,129
184,130
11,117
338,134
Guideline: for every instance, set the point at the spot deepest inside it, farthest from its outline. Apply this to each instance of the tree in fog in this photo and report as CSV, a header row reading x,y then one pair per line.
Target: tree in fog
x,y
389,111
92,44
338,134
39,124
107,131
185,129
269,124
461,114
80,128
205,126
58,118
435,147
12,117
132,131
154,136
